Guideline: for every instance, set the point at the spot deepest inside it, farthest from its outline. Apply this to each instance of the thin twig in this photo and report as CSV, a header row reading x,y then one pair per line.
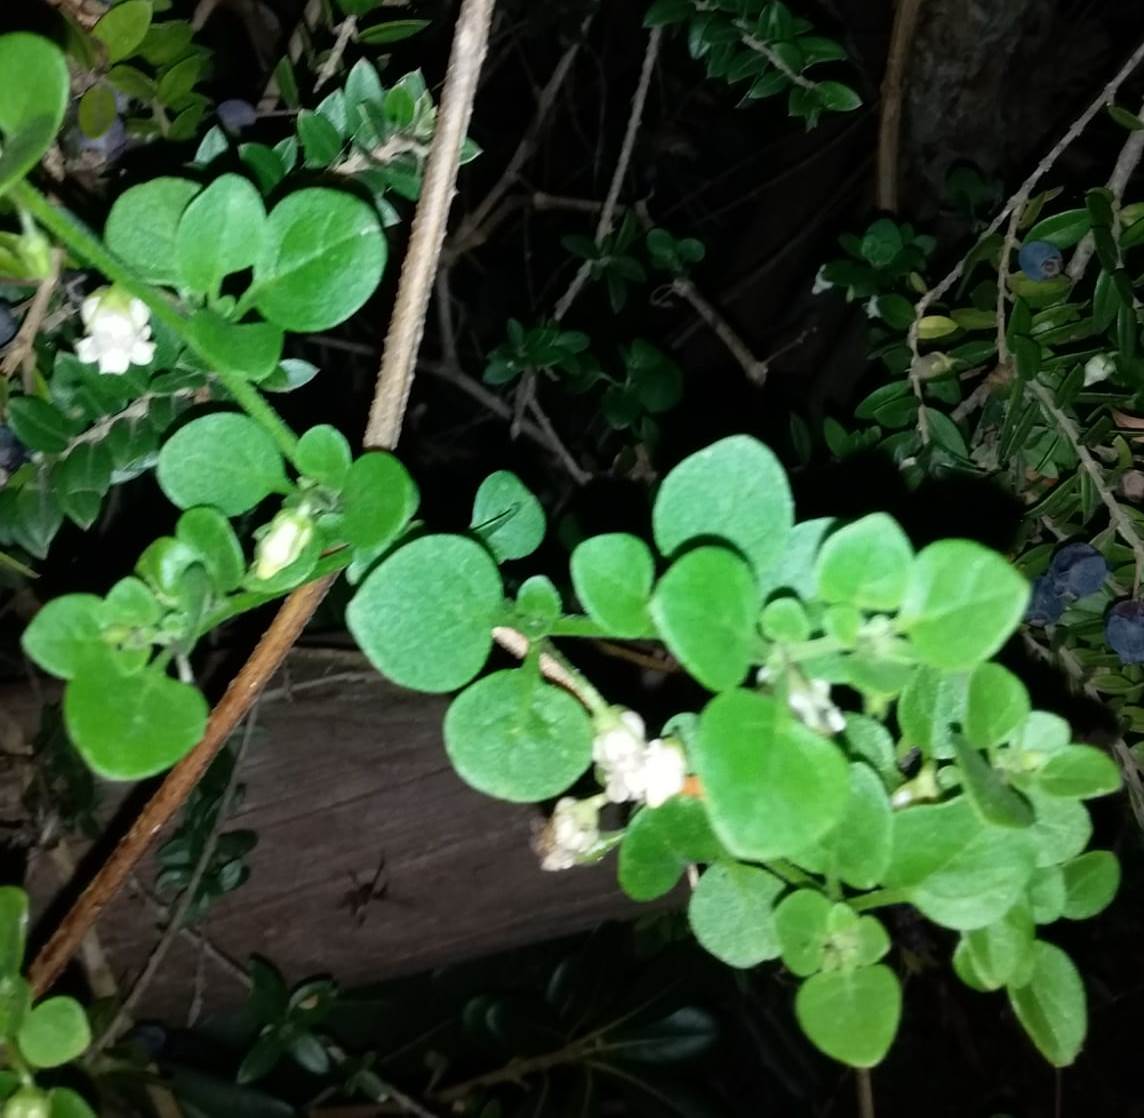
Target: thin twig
x,y
759,47
204,9
1007,247
551,668
407,325
22,352
1126,164
755,369
608,213
180,909
240,697
893,89
347,29
1017,202
865,1092
575,471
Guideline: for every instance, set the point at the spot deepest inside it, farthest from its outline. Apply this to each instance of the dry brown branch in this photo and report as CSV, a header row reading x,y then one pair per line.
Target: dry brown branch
x,y
21,353
755,368
893,89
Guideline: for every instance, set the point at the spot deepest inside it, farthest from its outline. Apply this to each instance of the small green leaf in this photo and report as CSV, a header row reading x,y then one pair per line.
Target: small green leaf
x,y
143,223
13,929
858,848
323,255
613,575
772,786
734,490
1063,230
33,99
1091,881
660,843
986,788
1062,827
538,603
837,97
123,28
1125,117
424,617
1079,772
802,923
39,425
1047,894
513,736
129,727
66,634
321,142
224,459
96,112
248,349
1051,1006
210,535
732,913
930,705
67,1104
54,1032
997,703
785,619
15,1001
867,564
378,500
1002,952
219,233
705,607
962,603
851,1015
392,32
507,516
324,454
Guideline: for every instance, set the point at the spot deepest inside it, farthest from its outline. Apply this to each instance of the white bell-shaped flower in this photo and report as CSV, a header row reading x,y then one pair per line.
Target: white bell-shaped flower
x,y
664,772
571,834
118,331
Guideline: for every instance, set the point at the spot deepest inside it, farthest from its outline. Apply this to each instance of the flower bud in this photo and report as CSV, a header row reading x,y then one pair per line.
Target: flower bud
x,y
286,538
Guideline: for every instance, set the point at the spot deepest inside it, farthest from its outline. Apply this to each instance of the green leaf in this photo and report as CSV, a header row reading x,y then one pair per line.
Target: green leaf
x,y
931,703
392,32
997,703
959,871
1079,772
33,99
705,607
734,490
513,736
802,924
143,224
15,1001
613,575
785,619
1062,827
870,741
96,112
177,82
67,1104
13,929
424,617
223,459
1063,230
66,634
837,97
795,569
39,425
324,454
660,843
129,727
210,535
867,564
1091,881
54,1032
321,142
1047,894
82,480
732,913
123,28
962,603
851,1015
986,788
1125,118
219,233
772,786
858,848
323,255
507,516
1002,952
248,349
538,604
1051,1006
379,498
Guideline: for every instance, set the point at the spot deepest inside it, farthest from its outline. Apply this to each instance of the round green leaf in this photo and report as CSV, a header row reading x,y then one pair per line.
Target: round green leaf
x,y
785,619
1091,881
867,564
988,790
997,704
705,607
142,226
378,499
13,929
54,1032
225,460
772,786
249,349
859,846
67,1104
516,737
802,924
324,455
1047,894
961,604
507,516
1061,829
65,634
613,575
660,843
1078,772
851,1015
1002,952
735,490
323,255
424,617
1051,1006
219,233
33,99
128,727
123,28
209,533
732,913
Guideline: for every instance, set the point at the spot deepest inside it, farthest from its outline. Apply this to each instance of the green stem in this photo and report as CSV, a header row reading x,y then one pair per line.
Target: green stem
x,y
70,232
792,875
577,626
880,898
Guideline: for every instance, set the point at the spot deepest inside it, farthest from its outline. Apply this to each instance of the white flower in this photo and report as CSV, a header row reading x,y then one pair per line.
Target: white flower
x,y
118,331
811,702
618,750
664,772
572,832
1097,368
872,307
821,283
285,539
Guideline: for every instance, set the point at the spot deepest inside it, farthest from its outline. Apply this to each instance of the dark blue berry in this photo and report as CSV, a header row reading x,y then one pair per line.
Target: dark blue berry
x,y
1077,569
110,143
1046,605
1124,631
8,324
13,453
1040,260
235,115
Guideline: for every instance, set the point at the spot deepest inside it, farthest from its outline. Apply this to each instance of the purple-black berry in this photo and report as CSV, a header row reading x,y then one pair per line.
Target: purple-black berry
x,y
1046,605
1040,260
8,324
1124,631
235,115
1077,569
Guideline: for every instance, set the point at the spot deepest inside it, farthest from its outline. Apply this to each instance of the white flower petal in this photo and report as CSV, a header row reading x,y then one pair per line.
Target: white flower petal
x,y
114,361
142,353
87,350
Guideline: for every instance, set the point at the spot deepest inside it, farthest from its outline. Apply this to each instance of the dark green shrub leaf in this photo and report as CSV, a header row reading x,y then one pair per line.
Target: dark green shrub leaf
x,y
391,32
39,425
1063,230
96,112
